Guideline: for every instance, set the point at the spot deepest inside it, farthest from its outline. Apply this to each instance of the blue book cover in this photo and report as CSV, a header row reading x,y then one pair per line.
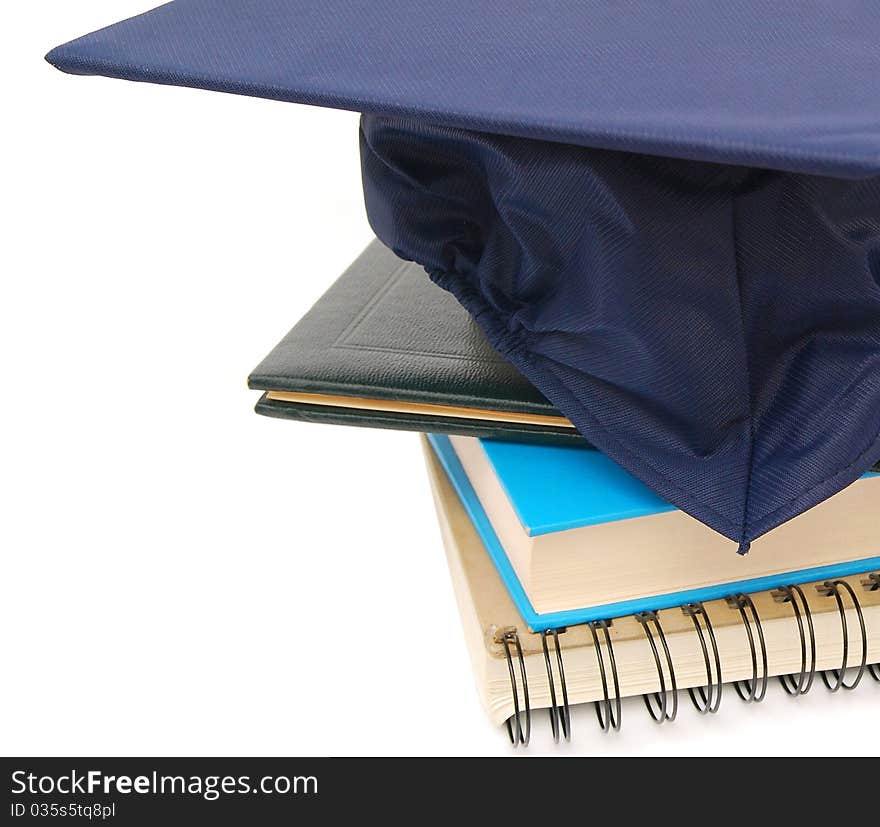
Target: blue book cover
x,y
554,488
579,487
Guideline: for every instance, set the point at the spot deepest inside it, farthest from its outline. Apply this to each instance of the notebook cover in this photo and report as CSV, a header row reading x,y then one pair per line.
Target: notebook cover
x,y
385,331
556,620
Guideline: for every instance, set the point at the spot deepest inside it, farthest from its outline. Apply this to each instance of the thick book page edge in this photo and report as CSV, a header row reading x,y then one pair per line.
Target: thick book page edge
x,y
592,564
554,620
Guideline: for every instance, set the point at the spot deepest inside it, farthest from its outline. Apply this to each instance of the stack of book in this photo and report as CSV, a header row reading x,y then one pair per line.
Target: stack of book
x,y
576,582
680,251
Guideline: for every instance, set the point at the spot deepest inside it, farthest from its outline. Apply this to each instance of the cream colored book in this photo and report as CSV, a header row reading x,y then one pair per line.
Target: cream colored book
x,y
488,615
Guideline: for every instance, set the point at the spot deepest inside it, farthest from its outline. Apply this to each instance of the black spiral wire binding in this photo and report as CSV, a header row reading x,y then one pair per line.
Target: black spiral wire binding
x,y
706,700
827,589
804,682
610,720
657,703
663,705
560,716
748,690
517,736
872,584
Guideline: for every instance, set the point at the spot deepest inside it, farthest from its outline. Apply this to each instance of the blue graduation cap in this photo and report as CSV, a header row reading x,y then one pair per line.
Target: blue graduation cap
x,y
666,215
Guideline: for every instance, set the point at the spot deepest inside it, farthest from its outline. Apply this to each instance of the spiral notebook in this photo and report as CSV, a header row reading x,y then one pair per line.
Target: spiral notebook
x,y
795,631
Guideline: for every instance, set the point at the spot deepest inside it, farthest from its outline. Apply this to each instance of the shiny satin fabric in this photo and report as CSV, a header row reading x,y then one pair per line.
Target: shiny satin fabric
x,y
665,214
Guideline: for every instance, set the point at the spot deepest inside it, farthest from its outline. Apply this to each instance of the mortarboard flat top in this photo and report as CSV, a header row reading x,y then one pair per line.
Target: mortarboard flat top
x,y
786,85
666,215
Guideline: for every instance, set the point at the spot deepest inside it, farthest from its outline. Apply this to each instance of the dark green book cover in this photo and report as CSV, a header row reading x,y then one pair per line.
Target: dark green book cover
x,y
390,349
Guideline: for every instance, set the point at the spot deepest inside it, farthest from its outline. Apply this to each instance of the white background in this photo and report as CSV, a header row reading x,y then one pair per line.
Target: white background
x,y
179,575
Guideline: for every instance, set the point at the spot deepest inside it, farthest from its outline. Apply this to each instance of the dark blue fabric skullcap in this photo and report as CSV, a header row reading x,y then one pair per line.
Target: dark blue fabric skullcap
x,y
665,214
